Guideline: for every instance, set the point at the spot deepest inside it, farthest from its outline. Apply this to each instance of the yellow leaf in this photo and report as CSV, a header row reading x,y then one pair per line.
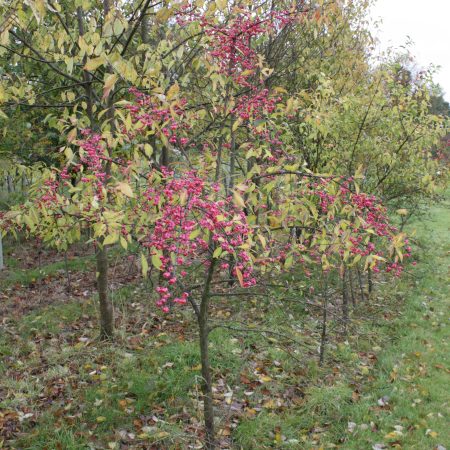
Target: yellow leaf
x,y
94,63
278,437
156,261
125,188
2,94
110,239
238,200
162,435
262,239
110,81
240,277
123,242
236,124
100,419
173,91
144,265
72,135
38,8
265,379
289,105
269,404
221,4
69,153
148,150
163,14
431,433
393,435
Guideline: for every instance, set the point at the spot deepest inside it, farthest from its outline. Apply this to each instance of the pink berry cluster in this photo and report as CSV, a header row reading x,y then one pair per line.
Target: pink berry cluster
x,y
147,111
192,223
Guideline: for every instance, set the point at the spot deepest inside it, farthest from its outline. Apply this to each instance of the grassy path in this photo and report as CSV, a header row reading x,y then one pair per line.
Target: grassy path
x,y
407,405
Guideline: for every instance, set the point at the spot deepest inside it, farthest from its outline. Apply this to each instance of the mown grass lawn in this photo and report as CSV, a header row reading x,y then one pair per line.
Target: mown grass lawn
x,y
385,387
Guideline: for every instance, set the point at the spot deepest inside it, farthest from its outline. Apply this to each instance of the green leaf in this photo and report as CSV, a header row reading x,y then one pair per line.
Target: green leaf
x,y
194,234
289,261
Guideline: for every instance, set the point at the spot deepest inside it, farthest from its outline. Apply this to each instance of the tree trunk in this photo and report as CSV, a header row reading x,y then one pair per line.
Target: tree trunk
x,y
106,307
369,277
1,253
345,301
208,408
369,280
352,291
66,268
323,336
9,183
360,282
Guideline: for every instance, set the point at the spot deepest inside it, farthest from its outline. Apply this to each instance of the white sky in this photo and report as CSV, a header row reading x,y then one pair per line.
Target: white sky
x,y
427,23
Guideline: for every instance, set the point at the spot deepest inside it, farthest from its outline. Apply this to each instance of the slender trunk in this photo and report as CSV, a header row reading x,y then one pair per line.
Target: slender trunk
x,y
208,408
352,291
369,277
323,336
66,267
345,301
232,154
360,282
231,187
369,280
9,183
165,159
39,254
1,253
145,30
106,307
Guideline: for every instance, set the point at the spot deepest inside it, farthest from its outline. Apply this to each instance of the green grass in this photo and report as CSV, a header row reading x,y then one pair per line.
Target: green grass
x,y
412,371
121,387
28,276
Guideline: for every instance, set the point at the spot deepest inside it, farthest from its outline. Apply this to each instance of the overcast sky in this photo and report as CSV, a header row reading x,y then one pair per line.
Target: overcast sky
x,y
427,23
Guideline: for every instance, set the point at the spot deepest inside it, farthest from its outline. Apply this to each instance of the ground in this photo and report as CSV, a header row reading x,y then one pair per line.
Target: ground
x,y
383,386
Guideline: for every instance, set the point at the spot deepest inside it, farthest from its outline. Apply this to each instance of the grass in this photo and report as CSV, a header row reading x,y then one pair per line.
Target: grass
x,y
386,385
28,276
